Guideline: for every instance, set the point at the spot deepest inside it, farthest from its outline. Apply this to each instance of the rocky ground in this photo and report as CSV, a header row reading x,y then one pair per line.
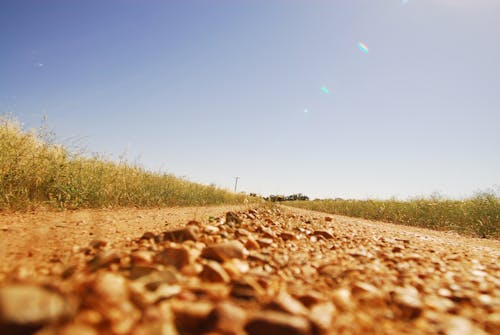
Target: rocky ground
x,y
262,270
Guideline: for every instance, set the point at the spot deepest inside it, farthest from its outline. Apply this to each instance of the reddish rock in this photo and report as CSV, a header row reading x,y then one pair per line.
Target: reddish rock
x,y
232,217
277,323
286,303
323,233
148,236
191,316
24,308
227,318
181,235
104,260
214,272
287,236
225,251
175,256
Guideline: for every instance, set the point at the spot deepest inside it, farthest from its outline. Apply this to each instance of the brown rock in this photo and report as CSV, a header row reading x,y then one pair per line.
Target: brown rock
x,y
323,233
225,251
343,299
227,318
181,235
322,315
246,289
252,244
110,288
175,256
191,316
214,272
287,236
286,303
141,257
103,260
276,323
156,328
141,271
24,308
97,244
232,217
148,236
328,219
265,242
408,301
492,323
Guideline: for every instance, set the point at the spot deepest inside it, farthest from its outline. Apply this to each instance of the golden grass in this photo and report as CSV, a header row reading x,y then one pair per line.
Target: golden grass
x,y
478,216
34,172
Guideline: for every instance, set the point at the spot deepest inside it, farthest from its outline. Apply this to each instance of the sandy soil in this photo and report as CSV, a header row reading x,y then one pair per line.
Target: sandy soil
x,y
29,241
263,270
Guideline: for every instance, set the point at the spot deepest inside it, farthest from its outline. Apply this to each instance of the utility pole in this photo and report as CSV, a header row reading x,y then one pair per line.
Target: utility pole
x,y
236,183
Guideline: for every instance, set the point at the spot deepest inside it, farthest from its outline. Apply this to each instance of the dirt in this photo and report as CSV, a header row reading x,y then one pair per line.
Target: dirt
x,y
258,270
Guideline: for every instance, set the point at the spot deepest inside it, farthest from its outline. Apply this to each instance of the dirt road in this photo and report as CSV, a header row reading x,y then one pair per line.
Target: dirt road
x,y
257,271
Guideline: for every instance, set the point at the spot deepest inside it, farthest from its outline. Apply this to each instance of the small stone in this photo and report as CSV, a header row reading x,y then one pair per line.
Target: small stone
x,y
328,219
156,328
343,299
211,230
175,256
286,303
191,316
457,325
252,244
408,300
310,298
227,318
265,242
277,323
225,251
141,257
246,289
287,236
103,260
214,272
323,233
232,217
76,329
97,244
181,235
492,323
322,315
110,287
26,307
141,271
148,236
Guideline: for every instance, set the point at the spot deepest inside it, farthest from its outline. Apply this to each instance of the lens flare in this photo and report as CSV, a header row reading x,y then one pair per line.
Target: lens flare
x,y
363,47
325,90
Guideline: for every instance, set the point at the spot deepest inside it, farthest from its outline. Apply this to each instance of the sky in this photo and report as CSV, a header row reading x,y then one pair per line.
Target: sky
x,y
278,93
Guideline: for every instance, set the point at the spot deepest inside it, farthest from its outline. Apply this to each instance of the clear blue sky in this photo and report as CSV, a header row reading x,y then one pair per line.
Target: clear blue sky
x,y
211,90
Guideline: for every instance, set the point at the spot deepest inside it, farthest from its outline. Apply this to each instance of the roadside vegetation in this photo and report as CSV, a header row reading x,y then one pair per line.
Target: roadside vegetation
x,y
478,216
34,172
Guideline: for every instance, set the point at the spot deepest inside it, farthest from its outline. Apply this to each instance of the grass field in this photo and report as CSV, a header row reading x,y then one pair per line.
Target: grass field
x,y
478,216
35,173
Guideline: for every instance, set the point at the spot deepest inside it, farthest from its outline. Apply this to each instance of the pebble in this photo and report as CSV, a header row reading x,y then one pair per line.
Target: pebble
x,y
277,323
26,306
225,251
175,256
214,272
181,235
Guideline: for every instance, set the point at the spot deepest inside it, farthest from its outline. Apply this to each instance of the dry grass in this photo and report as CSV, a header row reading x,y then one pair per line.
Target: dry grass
x,y
34,172
478,216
